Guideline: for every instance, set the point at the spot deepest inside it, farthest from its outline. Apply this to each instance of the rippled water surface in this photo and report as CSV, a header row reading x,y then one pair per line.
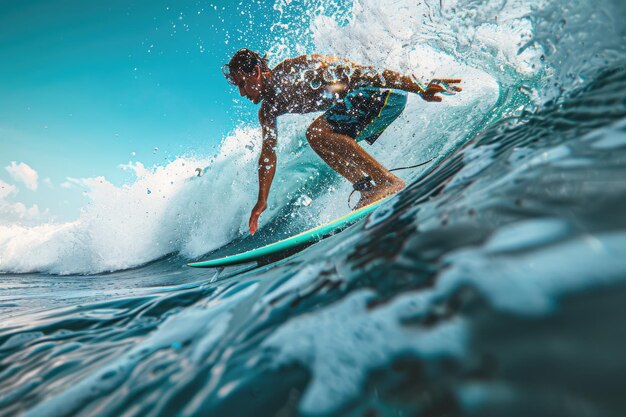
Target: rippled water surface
x,y
494,284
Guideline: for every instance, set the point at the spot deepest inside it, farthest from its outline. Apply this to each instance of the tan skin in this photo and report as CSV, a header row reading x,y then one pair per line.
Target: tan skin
x,y
311,83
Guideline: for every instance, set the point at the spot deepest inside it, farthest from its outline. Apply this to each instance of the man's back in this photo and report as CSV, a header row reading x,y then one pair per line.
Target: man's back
x,y
309,83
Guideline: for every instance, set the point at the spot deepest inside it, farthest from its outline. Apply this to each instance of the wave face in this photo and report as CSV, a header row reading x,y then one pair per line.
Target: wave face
x,y
512,56
491,285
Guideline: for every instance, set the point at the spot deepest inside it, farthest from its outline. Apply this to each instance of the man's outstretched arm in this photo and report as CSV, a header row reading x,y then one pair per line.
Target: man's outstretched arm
x,y
266,167
391,79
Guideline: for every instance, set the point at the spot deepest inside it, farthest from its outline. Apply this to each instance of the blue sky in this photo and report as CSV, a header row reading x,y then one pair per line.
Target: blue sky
x,y
89,85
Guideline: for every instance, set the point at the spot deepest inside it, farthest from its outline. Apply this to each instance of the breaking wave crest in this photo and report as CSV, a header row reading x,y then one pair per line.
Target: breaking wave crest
x,y
513,58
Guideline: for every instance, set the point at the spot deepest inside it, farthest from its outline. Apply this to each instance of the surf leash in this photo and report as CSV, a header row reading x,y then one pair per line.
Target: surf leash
x,y
412,166
367,183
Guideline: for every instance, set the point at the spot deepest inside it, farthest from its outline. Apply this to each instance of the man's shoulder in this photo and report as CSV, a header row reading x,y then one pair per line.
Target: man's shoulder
x,y
300,59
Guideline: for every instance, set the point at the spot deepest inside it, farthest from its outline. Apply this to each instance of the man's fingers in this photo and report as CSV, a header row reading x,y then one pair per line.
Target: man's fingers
x,y
431,92
434,88
449,80
430,97
253,224
444,84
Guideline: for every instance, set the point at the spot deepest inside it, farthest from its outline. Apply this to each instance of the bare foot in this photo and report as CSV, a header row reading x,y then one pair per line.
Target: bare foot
x,y
379,192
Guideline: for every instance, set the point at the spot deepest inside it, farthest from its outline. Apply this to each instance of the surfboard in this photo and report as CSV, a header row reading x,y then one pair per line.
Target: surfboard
x,y
305,238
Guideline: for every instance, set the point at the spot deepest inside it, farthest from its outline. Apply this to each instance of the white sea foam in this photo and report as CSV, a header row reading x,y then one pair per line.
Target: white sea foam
x,y
165,210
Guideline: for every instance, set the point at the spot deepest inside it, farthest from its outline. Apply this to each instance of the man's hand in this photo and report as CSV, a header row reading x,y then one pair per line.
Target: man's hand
x,y
440,85
254,216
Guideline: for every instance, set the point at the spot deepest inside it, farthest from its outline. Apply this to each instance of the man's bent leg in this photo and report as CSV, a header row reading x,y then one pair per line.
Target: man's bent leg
x,y
350,160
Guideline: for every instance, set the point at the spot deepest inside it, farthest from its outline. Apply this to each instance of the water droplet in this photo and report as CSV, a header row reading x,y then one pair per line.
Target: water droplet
x,y
303,200
369,73
330,74
315,83
525,89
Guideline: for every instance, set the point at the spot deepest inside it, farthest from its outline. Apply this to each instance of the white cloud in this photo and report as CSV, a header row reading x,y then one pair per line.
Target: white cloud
x,y
18,212
85,183
48,182
23,173
11,213
6,189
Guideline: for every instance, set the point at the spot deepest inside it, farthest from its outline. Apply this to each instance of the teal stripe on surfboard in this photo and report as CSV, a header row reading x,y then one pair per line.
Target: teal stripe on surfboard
x,y
309,236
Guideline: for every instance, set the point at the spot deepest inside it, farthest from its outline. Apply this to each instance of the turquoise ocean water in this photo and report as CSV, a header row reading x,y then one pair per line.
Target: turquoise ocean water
x,y
494,284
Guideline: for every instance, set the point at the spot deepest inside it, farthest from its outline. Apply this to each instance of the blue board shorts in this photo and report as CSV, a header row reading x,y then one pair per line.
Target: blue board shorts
x,y
365,113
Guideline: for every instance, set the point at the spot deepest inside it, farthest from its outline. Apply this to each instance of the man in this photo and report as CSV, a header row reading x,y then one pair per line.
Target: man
x,y
359,103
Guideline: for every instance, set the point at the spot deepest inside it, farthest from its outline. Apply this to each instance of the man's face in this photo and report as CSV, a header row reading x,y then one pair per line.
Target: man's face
x,y
249,85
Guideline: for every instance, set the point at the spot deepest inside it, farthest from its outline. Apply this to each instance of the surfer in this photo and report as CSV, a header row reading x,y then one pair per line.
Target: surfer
x,y
359,103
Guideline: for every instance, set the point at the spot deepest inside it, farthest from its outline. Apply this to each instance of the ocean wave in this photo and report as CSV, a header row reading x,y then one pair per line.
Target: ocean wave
x,y
500,50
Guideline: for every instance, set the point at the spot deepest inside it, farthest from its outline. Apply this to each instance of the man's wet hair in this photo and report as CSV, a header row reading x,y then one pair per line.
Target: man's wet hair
x,y
246,61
